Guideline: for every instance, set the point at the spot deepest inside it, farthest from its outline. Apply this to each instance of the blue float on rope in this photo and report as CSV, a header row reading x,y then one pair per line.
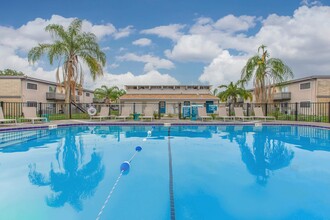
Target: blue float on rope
x,y
138,148
125,166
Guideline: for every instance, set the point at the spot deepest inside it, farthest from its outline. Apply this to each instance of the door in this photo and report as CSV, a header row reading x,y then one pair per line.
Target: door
x,y
162,107
208,109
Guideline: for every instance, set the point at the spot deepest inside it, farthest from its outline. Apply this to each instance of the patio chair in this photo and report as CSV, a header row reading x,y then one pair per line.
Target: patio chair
x,y
202,114
148,114
258,114
222,113
240,114
3,119
104,114
30,114
125,113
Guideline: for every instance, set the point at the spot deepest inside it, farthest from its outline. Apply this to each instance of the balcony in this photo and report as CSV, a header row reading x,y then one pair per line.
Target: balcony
x,y
58,96
96,100
282,96
55,96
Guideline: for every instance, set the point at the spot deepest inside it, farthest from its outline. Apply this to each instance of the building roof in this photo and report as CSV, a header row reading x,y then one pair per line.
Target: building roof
x,y
168,97
314,77
37,80
307,78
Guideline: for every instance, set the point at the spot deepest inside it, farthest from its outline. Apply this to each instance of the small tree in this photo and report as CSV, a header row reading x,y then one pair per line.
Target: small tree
x,y
110,94
233,91
10,72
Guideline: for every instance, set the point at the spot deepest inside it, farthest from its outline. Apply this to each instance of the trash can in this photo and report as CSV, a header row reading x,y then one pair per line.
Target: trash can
x,y
46,116
136,116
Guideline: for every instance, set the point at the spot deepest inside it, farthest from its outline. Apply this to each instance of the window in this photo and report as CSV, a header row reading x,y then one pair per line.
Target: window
x,y
32,86
87,94
52,89
305,104
31,104
186,103
305,86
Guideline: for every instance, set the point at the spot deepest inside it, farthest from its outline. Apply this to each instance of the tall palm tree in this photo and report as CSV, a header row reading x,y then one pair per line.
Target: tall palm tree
x,y
110,94
233,91
265,73
71,48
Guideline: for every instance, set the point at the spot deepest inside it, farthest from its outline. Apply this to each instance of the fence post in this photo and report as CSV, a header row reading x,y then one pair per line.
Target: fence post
x,y
296,112
266,109
329,112
180,110
158,110
247,109
70,111
229,109
40,111
134,108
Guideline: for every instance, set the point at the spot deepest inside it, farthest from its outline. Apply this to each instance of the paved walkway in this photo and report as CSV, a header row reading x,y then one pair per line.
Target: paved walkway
x,y
154,122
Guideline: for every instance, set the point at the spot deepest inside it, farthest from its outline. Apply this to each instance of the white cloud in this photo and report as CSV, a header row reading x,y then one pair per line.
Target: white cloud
x,y
172,31
151,62
194,48
223,69
230,23
123,32
310,3
150,78
105,48
142,42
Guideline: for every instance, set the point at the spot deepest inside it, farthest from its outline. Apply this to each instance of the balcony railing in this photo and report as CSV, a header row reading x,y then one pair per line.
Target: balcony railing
x,y
96,100
55,96
59,96
282,96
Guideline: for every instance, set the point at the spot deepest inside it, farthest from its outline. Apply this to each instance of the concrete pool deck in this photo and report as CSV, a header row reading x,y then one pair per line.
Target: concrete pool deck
x,y
60,123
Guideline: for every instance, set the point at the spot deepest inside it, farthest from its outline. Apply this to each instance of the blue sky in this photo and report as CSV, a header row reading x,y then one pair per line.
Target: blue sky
x,y
174,42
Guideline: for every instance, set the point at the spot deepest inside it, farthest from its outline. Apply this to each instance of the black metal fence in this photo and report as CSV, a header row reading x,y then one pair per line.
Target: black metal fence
x,y
312,112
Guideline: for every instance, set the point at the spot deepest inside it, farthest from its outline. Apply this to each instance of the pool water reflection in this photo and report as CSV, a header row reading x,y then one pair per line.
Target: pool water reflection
x,y
228,172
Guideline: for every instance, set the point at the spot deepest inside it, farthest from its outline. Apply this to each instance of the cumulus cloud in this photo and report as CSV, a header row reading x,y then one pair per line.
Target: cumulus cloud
x,y
300,40
194,48
150,78
151,62
124,32
230,23
172,31
223,69
142,42
310,3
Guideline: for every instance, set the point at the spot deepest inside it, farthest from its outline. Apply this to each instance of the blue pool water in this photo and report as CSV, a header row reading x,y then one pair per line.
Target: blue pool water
x,y
215,172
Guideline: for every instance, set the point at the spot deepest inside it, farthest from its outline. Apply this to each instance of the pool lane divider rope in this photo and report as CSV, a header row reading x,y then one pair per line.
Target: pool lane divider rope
x,y
124,169
172,207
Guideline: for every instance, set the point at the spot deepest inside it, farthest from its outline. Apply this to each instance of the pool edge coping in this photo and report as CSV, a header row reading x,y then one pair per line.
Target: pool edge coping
x,y
47,126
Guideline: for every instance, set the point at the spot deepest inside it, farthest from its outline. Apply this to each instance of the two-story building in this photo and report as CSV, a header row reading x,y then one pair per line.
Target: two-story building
x,y
305,92
167,98
31,91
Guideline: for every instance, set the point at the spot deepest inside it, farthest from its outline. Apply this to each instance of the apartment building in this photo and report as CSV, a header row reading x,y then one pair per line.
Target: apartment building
x,y
310,93
167,98
31,91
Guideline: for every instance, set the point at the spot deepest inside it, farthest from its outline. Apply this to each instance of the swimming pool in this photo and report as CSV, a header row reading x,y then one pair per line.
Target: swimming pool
x,y
185,172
